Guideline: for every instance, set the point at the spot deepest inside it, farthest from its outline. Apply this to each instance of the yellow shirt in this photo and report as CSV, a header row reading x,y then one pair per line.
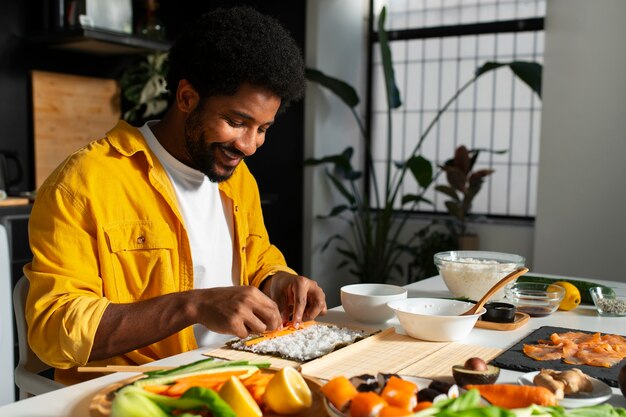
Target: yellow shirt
x,y
104,229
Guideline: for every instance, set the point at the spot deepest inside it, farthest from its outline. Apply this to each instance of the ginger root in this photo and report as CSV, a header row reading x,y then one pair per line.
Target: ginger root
x,y
565,382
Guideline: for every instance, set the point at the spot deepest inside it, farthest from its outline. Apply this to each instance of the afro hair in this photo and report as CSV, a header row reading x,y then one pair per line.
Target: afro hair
x,y
226,48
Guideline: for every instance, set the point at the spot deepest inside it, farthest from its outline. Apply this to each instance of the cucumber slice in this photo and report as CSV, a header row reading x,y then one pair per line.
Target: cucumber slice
x,y
168,379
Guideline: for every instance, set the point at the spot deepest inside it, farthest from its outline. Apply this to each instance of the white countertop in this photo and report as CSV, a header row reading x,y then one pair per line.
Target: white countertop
x,y
74,400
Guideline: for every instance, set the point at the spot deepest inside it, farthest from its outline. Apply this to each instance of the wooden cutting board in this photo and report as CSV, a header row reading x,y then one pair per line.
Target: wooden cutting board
x,y
69,111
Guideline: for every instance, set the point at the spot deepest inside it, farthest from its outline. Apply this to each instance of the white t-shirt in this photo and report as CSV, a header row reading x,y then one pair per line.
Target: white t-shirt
x,y
208,220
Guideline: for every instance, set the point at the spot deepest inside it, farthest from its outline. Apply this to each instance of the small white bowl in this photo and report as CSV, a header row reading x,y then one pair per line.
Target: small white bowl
x,y
435,319
367,303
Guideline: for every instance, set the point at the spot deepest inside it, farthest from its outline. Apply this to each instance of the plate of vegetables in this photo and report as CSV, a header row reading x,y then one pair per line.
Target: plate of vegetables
x,y
211,387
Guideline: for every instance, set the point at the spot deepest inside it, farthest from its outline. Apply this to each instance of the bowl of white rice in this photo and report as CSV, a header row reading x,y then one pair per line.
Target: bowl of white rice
x,y
470,274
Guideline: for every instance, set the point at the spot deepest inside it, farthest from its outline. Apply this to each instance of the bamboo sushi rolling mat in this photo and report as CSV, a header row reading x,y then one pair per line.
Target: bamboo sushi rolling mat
x,y
387,352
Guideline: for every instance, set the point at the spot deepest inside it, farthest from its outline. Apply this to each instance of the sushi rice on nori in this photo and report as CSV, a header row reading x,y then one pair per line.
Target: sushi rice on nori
x,y
304,344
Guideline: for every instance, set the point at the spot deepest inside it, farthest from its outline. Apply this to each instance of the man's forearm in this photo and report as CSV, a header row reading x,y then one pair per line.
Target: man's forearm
x,y
126,327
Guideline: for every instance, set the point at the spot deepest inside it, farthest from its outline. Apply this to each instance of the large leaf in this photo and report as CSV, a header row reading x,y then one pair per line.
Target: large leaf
x,y
529,72
337,210
422,170
339,186
340,88
342,167
449,191
393,94
410,198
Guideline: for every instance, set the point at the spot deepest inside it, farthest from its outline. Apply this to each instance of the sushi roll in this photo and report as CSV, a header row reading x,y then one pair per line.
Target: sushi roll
x,y
400,393
366,404
339,391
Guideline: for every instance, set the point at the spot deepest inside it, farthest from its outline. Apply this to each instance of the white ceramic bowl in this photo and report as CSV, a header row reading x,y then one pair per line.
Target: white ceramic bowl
x,y
471,273
367,303
435,319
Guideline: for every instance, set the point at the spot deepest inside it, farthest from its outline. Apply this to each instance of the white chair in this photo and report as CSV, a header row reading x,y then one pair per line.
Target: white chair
x,y
27,373
7,389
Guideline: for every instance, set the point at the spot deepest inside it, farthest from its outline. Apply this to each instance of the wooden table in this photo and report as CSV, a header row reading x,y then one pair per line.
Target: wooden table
x,y
74,400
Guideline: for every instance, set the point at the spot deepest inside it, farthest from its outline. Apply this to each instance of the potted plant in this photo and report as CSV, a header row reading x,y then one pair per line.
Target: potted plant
x,y
144,89
463,185
374,246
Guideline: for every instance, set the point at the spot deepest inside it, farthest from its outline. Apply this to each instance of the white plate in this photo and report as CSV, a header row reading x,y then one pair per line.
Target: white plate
x,y
601,392
421,384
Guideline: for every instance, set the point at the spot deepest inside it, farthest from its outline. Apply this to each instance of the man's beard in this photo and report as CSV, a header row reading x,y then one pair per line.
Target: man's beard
x,y
201,154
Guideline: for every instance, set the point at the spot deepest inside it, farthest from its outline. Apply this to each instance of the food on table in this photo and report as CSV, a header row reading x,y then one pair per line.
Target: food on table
x,y
239,398
216,388
287,392
475,371
579,348
567,382
515,396
384,395
583,286
400,393
339,391
498,312
572,295
311,340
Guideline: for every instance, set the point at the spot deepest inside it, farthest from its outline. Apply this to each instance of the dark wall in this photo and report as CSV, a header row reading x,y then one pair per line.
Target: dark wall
x,y
277,166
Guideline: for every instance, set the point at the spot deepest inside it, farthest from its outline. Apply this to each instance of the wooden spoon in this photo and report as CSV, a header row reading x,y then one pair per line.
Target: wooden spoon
x,y
492,290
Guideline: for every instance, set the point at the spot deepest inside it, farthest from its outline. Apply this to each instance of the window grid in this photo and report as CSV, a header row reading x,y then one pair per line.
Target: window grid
x,y
497,112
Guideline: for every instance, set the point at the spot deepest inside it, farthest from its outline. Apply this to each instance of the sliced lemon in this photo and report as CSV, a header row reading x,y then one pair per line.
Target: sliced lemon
x,y
287,392
239,398
572,295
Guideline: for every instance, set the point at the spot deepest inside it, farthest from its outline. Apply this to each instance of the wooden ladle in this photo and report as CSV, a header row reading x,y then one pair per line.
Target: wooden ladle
x,y
492,290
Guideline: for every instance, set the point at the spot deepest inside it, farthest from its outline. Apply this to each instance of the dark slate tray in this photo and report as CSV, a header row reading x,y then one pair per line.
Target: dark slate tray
x,y
514,358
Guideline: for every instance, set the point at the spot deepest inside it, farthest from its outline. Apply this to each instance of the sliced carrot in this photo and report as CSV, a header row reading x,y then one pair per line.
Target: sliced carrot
x,y
213,381
256,384
156,389
515,396
339,391
288,329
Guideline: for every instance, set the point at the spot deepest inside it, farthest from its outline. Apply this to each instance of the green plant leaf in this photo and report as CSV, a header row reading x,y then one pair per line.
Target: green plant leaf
x,y
393,94
342,167
409,198
455,209
347,253
422,170
339,186
529,72
337,210
340,88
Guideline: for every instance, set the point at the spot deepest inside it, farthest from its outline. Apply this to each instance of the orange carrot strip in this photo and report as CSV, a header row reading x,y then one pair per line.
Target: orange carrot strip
x,y
288,329
515,396
156,389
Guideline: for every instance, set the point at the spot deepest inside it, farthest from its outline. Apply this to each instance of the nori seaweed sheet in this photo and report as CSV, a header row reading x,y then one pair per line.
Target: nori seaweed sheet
x,y
230,344
514,358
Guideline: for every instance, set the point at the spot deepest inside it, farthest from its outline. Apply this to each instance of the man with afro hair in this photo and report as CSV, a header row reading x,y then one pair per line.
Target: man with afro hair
x,y
150,241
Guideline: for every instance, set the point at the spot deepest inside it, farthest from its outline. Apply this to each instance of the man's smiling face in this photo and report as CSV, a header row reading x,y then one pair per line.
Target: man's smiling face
x,y
222,130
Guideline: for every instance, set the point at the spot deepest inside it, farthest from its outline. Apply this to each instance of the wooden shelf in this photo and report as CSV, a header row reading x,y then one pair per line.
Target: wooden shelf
x,y
100,42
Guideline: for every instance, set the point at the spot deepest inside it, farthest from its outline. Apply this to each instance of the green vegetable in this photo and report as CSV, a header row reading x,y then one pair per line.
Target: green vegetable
x,y
134,404
583,286
468,405
204,369
218,407
132,401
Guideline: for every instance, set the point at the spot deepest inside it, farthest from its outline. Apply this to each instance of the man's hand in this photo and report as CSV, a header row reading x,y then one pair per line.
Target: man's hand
x,y
295,295
237,310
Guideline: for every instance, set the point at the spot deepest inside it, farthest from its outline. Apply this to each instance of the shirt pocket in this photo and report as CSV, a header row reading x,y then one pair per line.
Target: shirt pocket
x,y
142,255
